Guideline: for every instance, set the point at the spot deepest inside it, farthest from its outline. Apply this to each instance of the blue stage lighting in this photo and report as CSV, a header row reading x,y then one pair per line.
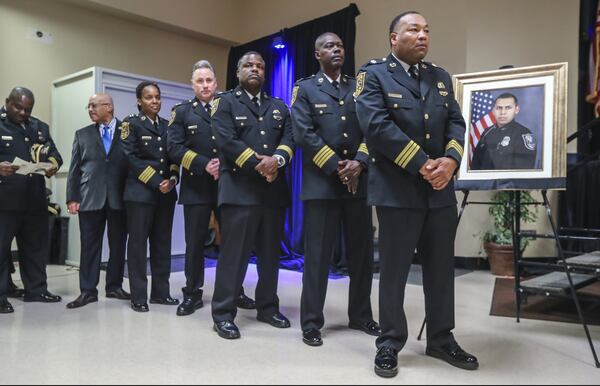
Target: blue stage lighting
x,y
278,43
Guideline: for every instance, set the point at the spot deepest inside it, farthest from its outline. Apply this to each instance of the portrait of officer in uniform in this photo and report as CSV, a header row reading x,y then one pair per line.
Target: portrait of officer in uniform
x,y
506,145
415,136
254,137
334,185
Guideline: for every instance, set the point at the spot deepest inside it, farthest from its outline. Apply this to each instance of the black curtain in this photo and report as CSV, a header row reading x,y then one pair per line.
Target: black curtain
x,y
589,142
301,40
580,203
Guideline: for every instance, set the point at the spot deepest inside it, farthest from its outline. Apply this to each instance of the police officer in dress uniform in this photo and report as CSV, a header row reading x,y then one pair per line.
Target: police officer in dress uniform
x,y
254,135
333,189
192,145
23,204
507,145
414,131
150,199
95,188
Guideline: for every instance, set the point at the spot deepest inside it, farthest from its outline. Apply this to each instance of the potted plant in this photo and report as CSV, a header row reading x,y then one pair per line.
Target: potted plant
x,y
498,242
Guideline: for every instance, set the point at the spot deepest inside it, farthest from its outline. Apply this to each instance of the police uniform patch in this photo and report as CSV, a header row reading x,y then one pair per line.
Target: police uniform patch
x,y
360,83
529,141
214,107
173,116
125,130
295,94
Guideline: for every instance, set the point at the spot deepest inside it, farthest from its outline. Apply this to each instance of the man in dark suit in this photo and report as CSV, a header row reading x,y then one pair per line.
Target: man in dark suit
x,y
254,136
334,186
192,145
95,192
415,133
23,204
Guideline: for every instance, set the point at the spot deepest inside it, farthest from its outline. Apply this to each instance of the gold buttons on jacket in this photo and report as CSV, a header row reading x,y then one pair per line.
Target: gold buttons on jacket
x,y
343,117
160,149
426,116
427,136
260,119
341,103
345,135
263,132
266,146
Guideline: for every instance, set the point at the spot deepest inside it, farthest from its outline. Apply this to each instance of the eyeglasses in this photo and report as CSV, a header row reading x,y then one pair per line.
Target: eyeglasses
x,y
94,106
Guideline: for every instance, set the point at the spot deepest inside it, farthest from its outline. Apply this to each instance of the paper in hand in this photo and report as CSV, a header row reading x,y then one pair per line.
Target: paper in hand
x,y
26,168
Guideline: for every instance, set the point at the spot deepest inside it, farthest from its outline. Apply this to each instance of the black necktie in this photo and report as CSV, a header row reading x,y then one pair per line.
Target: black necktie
x,y
412,71
336,84
255,101
156,126
208,107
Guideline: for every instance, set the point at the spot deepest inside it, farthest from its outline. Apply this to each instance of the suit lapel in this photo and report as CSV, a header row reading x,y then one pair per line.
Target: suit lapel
x,y
200,111
400,76
345,88
265,104
246,100
326,86
116,137
426,79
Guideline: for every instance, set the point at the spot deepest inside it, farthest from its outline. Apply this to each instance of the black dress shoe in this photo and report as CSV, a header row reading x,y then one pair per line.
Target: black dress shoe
x,y
6,307
245,302
227,330
276,320
312,337
15,293
386,362
44,297
454,355
140,307
168,301
120,294
83,300
190,305
371,327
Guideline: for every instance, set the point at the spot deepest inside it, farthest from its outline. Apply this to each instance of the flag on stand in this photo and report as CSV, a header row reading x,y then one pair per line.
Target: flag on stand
x,y
482,117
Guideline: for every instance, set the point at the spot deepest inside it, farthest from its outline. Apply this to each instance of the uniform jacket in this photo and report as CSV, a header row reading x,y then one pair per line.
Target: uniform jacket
x,y
192,145
146,150
96,178
243,130
24,193
326,128
405,123
510,147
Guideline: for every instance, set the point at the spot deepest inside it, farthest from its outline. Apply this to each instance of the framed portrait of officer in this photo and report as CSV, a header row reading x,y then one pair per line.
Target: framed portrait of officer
x,y
516,134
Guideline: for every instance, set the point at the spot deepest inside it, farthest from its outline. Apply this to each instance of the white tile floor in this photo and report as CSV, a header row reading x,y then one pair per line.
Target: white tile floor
x,y
108,343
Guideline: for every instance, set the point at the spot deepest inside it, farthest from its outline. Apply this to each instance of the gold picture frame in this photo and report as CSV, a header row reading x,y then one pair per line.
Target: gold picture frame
x,y
500,152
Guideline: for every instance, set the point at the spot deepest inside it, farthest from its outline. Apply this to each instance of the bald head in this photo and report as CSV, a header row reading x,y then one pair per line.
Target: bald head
x,y
323,38
19,93
19,105
101,108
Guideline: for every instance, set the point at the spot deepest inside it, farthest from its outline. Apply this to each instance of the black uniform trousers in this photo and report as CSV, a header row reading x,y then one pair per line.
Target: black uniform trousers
x,y
432,232
322,220
31,231
92,225
244,229
152,222
197,220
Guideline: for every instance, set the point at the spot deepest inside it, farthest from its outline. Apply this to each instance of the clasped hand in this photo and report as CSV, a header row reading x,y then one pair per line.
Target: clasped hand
x,y
167,185
439,172
267,167
349,172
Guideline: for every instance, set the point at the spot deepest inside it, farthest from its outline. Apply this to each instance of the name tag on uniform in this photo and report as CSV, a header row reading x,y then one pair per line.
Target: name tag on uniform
x,y
7,138
193,127
146,138
321,106
241,118
392,95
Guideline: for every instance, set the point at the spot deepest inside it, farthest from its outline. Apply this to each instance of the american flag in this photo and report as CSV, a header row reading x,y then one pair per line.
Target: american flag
x,y
482,117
